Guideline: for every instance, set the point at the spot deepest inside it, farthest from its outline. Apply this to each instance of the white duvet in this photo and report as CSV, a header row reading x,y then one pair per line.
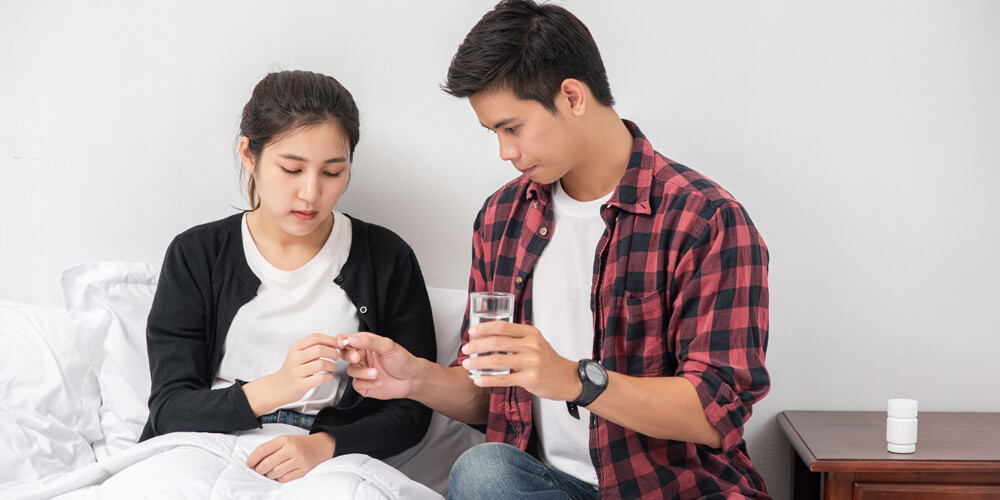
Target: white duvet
x,y
213,466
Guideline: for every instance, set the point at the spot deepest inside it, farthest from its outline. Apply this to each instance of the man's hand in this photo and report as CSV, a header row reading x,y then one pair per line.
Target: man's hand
x,y
534,364
381,368
285,458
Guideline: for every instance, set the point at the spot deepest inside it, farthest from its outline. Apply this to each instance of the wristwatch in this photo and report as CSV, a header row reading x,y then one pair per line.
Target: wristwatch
x,y
594,378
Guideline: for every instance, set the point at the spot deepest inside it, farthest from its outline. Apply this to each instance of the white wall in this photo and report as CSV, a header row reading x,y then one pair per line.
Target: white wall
x,y
862,136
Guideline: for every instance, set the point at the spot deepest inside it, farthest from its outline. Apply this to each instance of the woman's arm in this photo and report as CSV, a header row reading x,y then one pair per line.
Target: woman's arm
x,y
181,349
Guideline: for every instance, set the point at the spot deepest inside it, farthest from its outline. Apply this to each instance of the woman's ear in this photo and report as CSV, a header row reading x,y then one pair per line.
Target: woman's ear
x,y
246,158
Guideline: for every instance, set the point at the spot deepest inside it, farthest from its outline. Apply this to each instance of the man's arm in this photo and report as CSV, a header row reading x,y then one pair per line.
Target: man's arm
x,y
659,407
382,369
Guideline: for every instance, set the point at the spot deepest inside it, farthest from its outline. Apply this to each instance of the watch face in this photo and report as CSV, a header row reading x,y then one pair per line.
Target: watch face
x,y
596,374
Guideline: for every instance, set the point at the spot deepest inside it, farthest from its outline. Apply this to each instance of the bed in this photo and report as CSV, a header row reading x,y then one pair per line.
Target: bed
x,y
75,381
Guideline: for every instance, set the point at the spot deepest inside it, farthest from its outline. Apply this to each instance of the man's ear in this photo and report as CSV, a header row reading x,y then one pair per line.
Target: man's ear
x,y
246,158
574,93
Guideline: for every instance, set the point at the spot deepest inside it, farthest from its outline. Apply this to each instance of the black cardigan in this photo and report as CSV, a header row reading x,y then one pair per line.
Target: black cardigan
x,y
205,279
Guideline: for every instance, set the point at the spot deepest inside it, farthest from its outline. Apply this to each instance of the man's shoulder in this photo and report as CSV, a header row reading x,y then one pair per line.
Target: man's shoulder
x,y
683,188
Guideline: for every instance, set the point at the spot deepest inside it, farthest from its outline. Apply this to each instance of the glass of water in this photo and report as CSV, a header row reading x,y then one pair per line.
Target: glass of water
x,y
485,307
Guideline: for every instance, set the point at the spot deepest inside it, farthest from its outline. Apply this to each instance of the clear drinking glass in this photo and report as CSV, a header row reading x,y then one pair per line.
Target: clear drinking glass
x,y
485,307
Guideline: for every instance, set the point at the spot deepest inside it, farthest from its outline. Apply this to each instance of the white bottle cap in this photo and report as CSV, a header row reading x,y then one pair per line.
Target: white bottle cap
x,y
903,408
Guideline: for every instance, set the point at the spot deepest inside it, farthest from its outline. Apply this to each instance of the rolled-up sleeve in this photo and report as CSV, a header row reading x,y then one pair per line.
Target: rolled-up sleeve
x,y
720,322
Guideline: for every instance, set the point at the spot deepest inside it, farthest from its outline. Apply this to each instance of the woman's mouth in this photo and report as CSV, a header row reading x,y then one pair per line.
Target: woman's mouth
x,y
305,214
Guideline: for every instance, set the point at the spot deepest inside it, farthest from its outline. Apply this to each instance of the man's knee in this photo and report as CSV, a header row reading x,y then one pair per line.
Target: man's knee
x,y
484,468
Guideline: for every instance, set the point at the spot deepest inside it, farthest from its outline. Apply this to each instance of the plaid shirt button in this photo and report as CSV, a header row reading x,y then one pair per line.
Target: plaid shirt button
x,y
543,231
519,281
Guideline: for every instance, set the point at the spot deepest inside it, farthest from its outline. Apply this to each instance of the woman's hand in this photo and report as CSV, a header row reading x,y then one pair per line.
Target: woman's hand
x,y
308,364
285,458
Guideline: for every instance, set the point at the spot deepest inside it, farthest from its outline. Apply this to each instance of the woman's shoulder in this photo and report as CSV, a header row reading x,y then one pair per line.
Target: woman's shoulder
x,y
377,238
206,242
211,233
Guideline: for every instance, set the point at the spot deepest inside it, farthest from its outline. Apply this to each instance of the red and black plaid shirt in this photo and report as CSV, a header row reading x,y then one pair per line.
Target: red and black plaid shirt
x,y
679,289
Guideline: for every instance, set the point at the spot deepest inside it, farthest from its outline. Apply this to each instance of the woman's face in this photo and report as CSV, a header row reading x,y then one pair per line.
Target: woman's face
x,y
300,177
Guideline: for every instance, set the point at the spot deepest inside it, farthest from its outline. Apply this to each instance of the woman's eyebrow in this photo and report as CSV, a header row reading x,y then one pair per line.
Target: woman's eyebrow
x,y
292,157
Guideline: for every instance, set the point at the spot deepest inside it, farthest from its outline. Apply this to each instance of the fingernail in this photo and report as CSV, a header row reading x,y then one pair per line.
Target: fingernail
x,y
465,364
371,373
472,330
343,342
378,384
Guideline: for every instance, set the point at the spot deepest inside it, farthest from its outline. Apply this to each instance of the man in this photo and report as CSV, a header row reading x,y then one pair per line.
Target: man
x,y
641,317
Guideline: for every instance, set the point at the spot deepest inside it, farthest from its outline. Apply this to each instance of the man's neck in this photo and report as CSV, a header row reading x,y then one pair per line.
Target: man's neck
x,y
606,151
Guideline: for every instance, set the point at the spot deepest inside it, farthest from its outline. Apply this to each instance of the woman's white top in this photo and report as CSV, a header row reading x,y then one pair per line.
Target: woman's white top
x,y
561,311
289,306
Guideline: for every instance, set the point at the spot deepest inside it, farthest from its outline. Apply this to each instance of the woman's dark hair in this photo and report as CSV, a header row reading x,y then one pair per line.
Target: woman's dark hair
x,y
286,101
529,49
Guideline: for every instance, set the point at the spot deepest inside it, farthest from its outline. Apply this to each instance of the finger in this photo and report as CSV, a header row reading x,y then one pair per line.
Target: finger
x,y
360,372
280,469
492,344
496,380
362,386
318,351
498,361
318,379
368,342
317,367
351,355
314,339
262,452
504,328
292,475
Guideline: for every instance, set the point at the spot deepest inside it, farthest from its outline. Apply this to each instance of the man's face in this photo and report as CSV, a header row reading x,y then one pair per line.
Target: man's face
x,y
540,144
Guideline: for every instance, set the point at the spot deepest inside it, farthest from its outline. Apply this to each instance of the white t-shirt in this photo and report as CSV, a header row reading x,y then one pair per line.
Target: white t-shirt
x,y
289,306
561,309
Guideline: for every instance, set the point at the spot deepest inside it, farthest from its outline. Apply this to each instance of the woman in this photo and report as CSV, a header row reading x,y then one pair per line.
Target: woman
x,y
240,331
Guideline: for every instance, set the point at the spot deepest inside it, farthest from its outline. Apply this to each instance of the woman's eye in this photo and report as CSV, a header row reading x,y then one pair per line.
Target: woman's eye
x,y
332,174
292,172
510,130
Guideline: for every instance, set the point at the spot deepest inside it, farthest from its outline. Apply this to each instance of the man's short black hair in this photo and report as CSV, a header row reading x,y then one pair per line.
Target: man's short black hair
x,y
529,49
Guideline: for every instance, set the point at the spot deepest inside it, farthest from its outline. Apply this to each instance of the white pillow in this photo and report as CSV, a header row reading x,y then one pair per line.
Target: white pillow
x,y
430,461
108,303
49,408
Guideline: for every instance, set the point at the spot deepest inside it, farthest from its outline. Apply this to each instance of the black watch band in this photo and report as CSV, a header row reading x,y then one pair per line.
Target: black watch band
x,y
594,378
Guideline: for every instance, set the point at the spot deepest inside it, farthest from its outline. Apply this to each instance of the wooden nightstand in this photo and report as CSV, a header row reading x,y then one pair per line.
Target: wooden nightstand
x,y
842,455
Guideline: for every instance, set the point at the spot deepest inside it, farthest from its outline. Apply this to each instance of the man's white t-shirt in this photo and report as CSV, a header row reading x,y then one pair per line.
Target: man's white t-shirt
x,y
561,311
289,306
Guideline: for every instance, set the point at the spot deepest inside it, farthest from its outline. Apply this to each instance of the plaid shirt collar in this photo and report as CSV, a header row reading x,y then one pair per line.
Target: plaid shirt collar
x,y
632,193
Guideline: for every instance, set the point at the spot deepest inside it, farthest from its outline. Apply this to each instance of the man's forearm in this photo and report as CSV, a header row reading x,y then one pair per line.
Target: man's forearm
x,y
449,391
659,407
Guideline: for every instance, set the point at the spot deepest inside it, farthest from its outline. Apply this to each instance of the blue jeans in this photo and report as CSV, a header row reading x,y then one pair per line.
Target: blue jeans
x,y
498,470
289,417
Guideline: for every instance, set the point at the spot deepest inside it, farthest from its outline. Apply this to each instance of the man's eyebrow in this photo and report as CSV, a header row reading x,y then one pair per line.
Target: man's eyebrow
x,y
499,124
288,156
